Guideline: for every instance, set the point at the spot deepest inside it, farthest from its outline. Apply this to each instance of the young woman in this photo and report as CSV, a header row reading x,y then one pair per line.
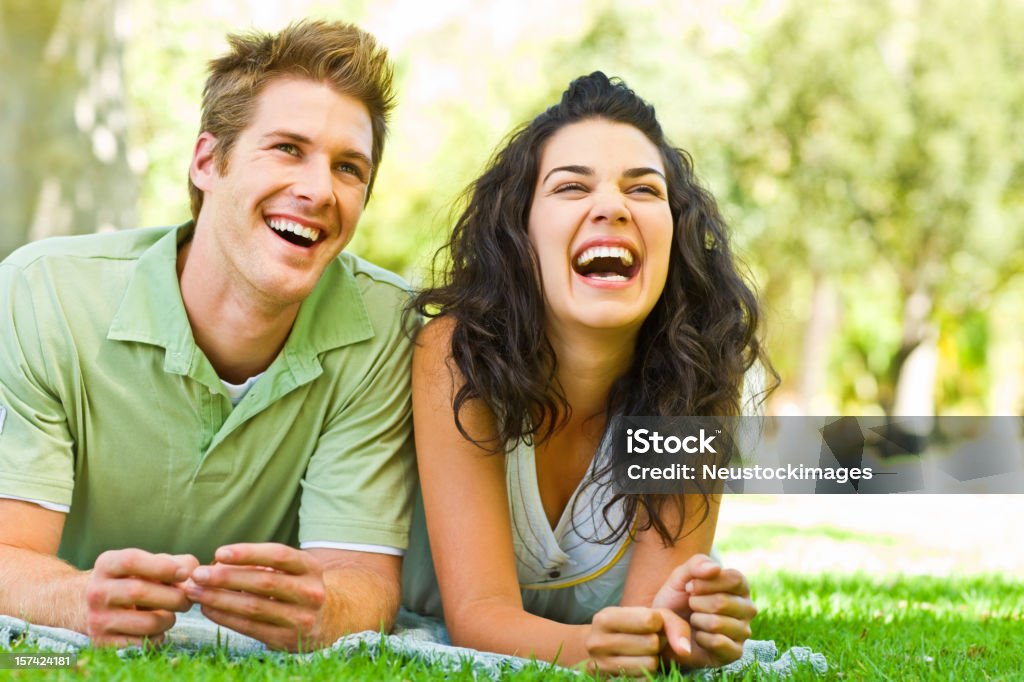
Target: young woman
x,y
589,276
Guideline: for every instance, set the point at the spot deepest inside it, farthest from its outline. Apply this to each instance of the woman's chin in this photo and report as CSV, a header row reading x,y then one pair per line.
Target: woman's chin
x,y
607,316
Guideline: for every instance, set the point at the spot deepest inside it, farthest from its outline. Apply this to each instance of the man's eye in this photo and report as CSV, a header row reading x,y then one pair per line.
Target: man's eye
x,y
287,148
351,169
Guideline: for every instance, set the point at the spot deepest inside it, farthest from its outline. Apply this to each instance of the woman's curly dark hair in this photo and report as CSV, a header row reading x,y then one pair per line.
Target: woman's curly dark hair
x,y
692,351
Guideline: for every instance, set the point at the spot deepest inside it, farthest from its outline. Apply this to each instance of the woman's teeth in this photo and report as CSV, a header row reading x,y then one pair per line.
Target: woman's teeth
x,y
593,252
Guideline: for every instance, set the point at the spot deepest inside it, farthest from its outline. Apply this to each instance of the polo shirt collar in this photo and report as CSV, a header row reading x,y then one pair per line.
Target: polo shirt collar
x,y
333,315
152,311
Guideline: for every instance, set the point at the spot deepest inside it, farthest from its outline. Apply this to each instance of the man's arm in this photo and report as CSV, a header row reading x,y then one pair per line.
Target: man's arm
x,y
298,600
128,596
34,584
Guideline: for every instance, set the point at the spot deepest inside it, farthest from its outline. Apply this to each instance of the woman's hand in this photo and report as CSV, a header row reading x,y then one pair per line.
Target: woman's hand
x,y
625,640
717,604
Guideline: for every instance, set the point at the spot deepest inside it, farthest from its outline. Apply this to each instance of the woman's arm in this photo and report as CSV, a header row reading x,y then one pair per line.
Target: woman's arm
x,y
715,602
466,505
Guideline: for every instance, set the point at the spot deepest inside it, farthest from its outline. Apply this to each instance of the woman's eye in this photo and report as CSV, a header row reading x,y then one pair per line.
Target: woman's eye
x,y
287,148
646,189
570,187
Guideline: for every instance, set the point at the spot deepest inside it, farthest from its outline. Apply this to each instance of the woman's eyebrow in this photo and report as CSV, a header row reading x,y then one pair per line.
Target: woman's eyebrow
x,y
578,170
638,172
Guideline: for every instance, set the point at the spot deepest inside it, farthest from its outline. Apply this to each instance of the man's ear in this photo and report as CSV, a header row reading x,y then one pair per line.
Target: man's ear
x,y
203,169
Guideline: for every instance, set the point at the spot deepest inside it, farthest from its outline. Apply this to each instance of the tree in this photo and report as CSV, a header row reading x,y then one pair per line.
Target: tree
x,y
63,123
882,141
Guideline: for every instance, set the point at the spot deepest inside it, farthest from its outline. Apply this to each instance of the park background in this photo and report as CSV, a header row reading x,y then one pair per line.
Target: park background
x,y
869,157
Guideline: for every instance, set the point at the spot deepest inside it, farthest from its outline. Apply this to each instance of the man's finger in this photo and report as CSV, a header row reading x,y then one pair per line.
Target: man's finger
x,y
125,563
129,592
274,636
281,586
140,623
122,641
271,554
189,561
723,604
255,608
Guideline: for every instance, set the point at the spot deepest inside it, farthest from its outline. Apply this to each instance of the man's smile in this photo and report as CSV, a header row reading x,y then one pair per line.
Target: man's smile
x,y
293,231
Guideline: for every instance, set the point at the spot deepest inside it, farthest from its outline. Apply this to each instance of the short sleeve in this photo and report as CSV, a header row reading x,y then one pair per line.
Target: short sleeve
x,y
36,448
359,483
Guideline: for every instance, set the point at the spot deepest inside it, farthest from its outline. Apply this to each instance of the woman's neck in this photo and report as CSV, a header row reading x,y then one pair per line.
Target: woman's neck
x,y
589,362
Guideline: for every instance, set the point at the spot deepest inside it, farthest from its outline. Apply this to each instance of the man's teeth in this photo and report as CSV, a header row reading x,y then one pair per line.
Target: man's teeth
x,y
282,225
593,252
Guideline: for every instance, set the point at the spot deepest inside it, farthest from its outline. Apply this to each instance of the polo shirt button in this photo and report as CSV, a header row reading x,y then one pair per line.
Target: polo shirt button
x,y
554,574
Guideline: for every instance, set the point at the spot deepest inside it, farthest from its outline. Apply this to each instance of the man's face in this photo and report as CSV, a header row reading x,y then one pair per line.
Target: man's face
x,y
292,193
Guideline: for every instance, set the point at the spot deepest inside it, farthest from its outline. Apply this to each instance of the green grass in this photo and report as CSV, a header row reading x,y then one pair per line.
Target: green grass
x,y
769,536
868,628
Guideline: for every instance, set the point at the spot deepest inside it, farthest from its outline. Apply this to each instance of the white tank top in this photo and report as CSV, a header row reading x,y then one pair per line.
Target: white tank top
x,y
563,575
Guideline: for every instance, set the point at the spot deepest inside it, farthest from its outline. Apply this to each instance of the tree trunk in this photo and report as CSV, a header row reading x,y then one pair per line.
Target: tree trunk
x,y
821,323
64,120
916,365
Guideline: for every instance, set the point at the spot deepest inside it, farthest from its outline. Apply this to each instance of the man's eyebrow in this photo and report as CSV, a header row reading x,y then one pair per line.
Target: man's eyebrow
x,y
640,172
288,135
358,156
578,170
299,137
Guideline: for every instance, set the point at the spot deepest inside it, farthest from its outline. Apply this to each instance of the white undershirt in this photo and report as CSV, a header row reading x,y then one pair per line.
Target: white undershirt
x,y
237,391
235,394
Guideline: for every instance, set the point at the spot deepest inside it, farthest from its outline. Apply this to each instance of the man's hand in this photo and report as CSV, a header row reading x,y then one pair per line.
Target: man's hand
x,y
717,604
268,591
132,594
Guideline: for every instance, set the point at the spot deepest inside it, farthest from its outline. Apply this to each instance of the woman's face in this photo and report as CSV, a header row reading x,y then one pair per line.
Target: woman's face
x,y
601,225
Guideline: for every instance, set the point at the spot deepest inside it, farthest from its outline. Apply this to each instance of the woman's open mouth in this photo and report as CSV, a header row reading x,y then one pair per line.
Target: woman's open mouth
x,y
606,263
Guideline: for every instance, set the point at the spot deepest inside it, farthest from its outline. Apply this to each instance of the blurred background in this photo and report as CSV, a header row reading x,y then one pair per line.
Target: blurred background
x,y
869,156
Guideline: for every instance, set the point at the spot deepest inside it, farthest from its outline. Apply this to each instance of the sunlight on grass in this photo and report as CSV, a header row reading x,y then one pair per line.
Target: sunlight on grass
x,y
915,628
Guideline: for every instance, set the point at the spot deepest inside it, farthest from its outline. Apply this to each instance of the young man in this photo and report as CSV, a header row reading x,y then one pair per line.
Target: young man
x,y
219,413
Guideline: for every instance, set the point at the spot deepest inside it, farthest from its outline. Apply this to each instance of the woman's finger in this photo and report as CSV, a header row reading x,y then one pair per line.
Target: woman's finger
x,y
721,648
724,604
630,666
637,620
728,580
620,644
734,628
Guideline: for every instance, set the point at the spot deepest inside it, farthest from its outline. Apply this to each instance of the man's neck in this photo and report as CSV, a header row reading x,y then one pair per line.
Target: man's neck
x,y
238,331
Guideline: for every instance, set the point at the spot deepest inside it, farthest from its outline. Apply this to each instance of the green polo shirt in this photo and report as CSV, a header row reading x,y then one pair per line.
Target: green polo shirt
x,y
108,405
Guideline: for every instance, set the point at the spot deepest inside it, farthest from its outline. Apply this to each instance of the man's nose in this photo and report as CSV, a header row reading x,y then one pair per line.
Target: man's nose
x,y
315,184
